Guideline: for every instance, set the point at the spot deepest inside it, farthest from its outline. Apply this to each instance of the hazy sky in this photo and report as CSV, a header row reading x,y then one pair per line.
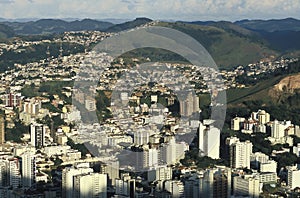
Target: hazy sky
x,y
155,9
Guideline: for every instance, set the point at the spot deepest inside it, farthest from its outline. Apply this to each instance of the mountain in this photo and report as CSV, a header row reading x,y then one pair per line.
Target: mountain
x,y
271,25
43,26
129,25
6,31
227,43
282,34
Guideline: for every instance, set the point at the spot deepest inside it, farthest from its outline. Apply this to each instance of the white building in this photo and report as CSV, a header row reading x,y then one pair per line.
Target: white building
x,y
246,186
90,185
209,141
172,152
215,182
293,178
269,166
68,175
240,153
160,173
175,187
9,172
268,177
296,150
125,186
237,123
278,128
28,169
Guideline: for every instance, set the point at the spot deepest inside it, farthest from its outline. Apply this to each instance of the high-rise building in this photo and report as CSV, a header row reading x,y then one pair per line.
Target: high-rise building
x,y
190,105
293,177
111,168
278,128
171,152
68,175
37,135
175,187
215,182
237,123
11,99
160,173
125,186
261,116
240,153
90,185
246,186
2,129
28,169
209,141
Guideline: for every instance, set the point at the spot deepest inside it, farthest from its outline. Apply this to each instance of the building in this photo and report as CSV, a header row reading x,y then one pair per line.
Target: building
x,y
37,135
247,185
172,151
261,116
11,99
28,169
90,185
190,105
296,150
269,166
160,173
278,128
2,129
125,186
240,153
268,177
111,168
68,175
293,177
175,187
9,172
90,104
237,123
209,141
214,182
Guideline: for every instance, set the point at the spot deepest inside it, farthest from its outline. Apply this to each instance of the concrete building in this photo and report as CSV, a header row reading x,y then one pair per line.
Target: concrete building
x,y
175,187
293,177
237,123
269,166
278,128
37,135
240,153
296,150
2,129
28,169
9,172
247,185
190,105
209,141
68,175
90,185
159,173
125,186
214,182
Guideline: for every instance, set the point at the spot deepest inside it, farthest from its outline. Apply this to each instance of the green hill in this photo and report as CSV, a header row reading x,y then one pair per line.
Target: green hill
x,y
128,25
228,46
6,31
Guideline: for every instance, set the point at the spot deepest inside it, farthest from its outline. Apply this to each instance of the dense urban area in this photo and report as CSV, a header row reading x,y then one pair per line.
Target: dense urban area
x,y
62,138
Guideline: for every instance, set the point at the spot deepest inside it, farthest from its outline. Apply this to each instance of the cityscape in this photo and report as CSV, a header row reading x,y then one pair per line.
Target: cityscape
x,y
149,107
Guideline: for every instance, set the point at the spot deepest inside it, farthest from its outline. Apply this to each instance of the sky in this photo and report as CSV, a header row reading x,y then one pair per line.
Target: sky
x,y
191,10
